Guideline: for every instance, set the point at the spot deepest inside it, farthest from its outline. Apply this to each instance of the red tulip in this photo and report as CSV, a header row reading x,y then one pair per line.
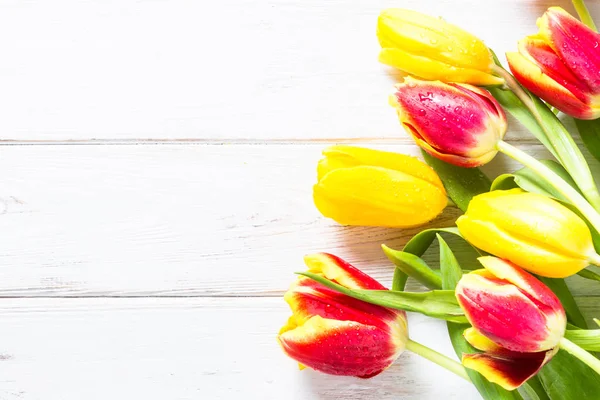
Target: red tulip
x,y
457,123
336,334
561,64
517,321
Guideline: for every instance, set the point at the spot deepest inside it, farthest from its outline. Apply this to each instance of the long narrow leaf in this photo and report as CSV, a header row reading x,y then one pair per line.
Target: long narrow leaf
x,y
590,134
440,304
414,267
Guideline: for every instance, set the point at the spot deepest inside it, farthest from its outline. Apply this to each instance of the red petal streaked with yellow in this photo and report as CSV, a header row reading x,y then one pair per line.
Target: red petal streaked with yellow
x,y
510,373
341,347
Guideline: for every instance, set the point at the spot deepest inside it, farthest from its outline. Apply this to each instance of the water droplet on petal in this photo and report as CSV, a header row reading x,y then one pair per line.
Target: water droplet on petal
x,y
433,41
422,112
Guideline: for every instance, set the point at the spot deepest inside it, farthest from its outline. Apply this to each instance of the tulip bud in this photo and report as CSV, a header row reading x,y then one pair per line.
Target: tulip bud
x,y
360,186
533,231
336,334
517,321
561,64
433,49
457,123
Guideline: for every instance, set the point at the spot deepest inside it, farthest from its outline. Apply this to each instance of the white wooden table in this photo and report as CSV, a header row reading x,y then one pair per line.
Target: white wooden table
x,y
157,160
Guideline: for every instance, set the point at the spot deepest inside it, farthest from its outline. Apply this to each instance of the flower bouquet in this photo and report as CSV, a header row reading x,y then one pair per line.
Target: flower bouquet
x,y
514,324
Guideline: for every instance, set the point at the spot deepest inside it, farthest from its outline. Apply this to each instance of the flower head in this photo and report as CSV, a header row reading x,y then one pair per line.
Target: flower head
x,y
561,64
359,186
457,123
433,49
517,321
336,334
533,231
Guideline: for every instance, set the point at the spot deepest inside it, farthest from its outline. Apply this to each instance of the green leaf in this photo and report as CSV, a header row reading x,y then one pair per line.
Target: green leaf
x,y
561,290
451,270
567,378
517,109
528,180
504,182
440,304
588,339
414,267
587,274
590,134
461,183
533,389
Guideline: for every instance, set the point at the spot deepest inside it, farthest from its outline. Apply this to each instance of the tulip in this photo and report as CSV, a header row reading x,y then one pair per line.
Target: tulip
x,y
358,186
336,334
433,49
561,64
457,123
517,322
533,231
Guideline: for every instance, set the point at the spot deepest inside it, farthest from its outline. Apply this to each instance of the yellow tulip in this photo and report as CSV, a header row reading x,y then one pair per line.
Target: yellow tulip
x,y
358,186
533,231
433,49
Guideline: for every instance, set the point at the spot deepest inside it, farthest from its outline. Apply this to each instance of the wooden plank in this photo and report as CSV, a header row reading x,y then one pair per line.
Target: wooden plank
x,y
277,69
178,220
186,349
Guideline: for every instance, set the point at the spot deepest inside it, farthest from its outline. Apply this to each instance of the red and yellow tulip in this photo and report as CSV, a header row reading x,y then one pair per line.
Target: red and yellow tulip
x,y
457,123
561,64
335,334
358,186
433,49
517,321
533,231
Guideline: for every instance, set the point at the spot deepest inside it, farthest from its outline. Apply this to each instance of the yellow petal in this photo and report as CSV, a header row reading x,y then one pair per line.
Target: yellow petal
x,y
431,69
376,196
432,37
350,156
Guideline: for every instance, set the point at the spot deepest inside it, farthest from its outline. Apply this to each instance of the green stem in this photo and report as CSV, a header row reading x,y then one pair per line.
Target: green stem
x,y
581,354
575,163
558,183
438,358
584,14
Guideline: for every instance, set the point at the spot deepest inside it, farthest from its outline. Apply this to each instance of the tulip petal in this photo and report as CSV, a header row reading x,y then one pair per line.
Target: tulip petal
x,y
575,43
516,226
430,69
535,80
307,298
458,123
337,270
510,373
341,156
498,309
375,196
482,343
341,347
431,48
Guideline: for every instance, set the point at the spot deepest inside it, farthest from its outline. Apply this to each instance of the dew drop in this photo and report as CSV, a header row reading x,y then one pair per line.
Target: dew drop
x,y
422,112
596,45
433,41
450,48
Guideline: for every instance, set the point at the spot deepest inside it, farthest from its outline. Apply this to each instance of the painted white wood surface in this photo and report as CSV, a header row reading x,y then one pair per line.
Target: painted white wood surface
x,y
244,69
206,237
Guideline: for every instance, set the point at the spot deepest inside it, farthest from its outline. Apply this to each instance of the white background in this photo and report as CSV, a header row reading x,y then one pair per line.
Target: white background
x,y
156,162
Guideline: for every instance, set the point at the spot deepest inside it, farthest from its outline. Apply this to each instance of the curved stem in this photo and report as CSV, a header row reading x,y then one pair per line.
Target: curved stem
x,y
581,354
553,179
438,358
563,146
584,14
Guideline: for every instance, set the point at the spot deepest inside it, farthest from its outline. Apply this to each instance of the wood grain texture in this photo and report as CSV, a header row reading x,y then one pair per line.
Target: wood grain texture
x,y
73,349
276,69
179,220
